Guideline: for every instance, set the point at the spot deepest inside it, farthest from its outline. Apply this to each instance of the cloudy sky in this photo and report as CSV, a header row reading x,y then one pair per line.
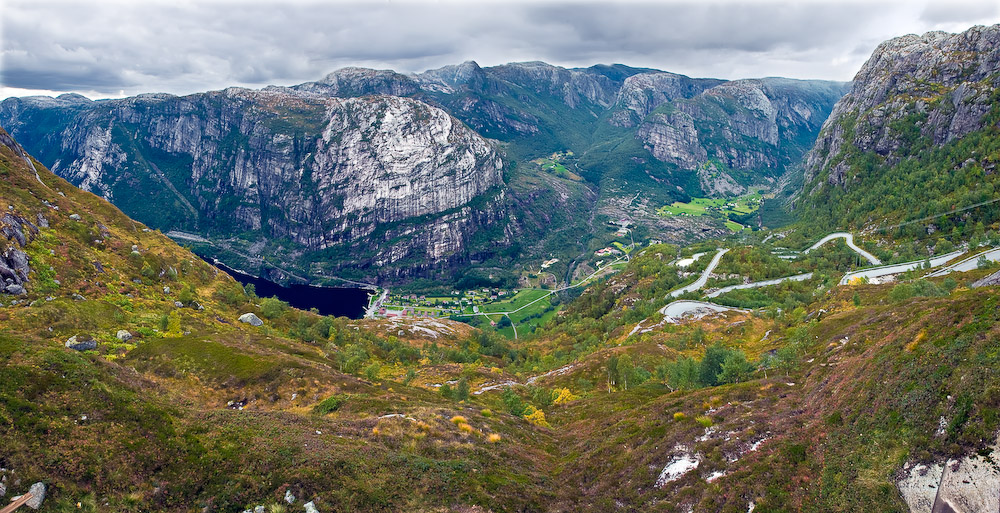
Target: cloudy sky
x,y
115,48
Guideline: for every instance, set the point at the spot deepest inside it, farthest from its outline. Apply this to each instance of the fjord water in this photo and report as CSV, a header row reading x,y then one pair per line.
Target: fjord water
x,y
336,301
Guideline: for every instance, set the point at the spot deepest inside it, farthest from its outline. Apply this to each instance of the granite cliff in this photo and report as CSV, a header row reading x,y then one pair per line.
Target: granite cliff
x,y
918,126
311,172
374,173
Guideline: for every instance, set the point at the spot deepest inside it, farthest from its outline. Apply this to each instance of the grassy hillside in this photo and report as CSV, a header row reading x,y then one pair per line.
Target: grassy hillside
x,y
813,402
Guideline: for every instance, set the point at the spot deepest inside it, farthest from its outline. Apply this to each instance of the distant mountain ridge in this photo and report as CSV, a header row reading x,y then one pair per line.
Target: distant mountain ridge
x,y
305,173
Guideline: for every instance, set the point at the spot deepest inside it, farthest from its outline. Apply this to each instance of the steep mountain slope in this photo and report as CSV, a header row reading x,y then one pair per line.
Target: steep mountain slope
x,y
916,136
297,172
302,173
166,402
127,382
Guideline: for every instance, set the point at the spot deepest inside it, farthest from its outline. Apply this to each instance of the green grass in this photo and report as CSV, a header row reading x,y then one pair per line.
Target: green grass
x,y
206,359
746,204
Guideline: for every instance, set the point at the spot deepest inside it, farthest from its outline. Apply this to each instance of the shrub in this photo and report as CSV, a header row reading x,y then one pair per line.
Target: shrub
x,y
465,428
679,415
272,307
174,324
458,419
515,406
563,396
486,412
536,417
493,438
329,405
736,368
187,295
704,420
462,390
372,371
919,288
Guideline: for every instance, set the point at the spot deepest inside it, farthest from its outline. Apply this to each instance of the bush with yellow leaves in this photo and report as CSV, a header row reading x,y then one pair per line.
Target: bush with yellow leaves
x,y
535,416
493,438
563,396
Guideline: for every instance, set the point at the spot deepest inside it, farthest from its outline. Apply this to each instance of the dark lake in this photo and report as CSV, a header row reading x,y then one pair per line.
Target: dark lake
x,y
336,301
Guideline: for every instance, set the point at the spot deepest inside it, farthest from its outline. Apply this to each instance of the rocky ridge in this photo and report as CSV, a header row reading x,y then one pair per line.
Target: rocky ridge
x,y
941,82
306,172
318,171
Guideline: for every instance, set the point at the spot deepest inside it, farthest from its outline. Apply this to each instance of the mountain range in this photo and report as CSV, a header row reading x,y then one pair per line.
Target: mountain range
x,y
378,176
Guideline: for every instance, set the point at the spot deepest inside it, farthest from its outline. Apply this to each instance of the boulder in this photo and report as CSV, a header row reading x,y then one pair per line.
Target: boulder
x,y
16,290
37,492
75,217
124,336
289,498
311,508
251,319
81,345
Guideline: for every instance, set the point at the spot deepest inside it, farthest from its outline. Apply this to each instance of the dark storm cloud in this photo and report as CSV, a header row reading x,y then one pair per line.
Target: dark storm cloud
x,y
133,47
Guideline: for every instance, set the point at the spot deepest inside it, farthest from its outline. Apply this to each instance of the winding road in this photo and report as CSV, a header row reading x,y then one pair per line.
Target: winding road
x,y
968,264
758,284
849,238
703,279
677,309
885,270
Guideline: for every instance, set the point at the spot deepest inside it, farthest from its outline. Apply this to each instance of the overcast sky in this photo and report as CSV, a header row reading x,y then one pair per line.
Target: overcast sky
x,y
108,49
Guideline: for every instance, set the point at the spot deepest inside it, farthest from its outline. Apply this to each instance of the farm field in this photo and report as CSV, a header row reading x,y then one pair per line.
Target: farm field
x,y
746,204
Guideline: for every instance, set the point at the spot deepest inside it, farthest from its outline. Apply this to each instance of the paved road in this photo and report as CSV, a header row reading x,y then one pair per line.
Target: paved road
x,y
758,284
968,264
674,311
700,282
375,305
849,238
885,270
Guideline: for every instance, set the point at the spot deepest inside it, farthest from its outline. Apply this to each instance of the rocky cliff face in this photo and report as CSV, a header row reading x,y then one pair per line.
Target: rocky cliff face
x,y
309,172
746,125
316,171
938,83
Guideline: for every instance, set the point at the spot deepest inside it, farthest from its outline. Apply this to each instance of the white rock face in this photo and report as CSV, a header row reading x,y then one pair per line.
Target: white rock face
x,y
320,171
681,463
251,319
967,485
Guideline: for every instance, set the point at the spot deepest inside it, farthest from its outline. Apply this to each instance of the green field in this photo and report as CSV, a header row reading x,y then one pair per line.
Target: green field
x,y
746,204
523,297
716,207
554,165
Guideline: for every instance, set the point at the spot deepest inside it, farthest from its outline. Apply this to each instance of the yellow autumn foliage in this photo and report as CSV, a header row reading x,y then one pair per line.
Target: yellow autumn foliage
x,y
563,396
537,418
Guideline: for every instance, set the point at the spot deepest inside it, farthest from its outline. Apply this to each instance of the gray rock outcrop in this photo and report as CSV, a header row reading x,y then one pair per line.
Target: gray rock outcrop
x,y
81,344
938,82
124,335
963,485
989,281
17,232
251,319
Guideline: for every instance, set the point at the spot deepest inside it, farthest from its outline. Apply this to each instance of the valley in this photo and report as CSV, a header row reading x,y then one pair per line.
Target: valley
x,y
569,294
